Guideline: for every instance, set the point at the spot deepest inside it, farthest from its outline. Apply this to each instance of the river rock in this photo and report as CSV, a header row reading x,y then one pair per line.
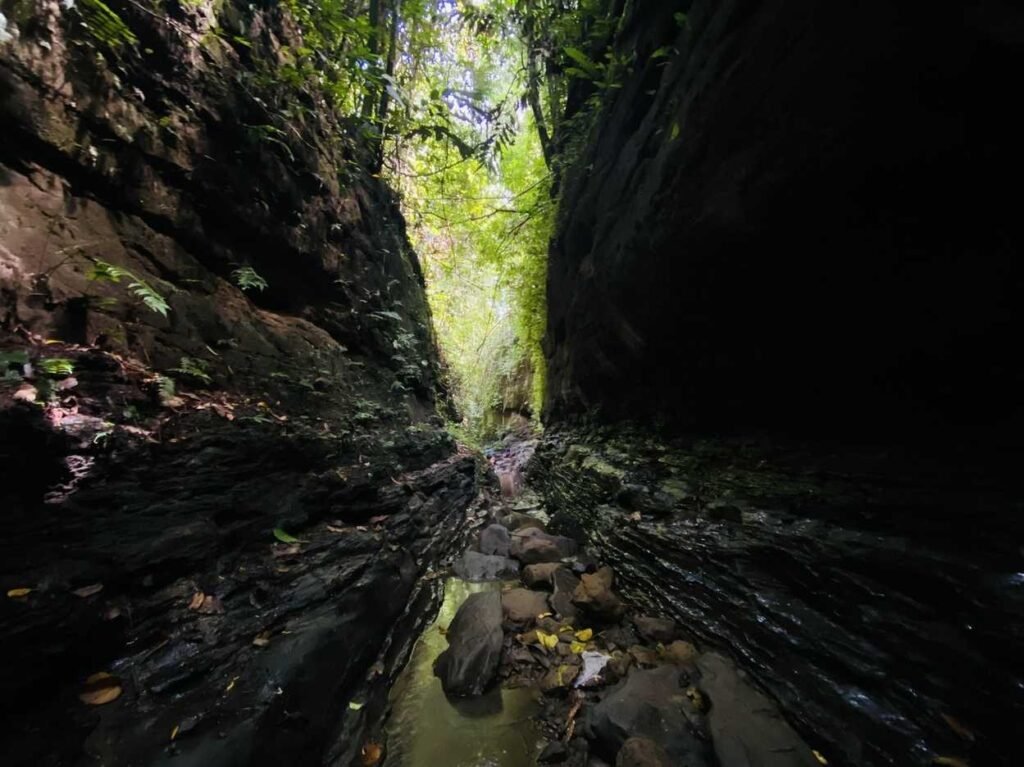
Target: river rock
x,y
539,576
595,596
564,584
530,543
522,606
554,752
681,653
517,520
474,566
469,664
495,539
747,728
655,629
642,752
649,704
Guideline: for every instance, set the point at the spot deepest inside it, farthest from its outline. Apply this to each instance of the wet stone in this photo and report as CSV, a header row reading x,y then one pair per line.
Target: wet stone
x,y
554,752
495,540
595,596
655,629
681,653
517,520
474,566
565,585
642,752
475,638
522,606
539,576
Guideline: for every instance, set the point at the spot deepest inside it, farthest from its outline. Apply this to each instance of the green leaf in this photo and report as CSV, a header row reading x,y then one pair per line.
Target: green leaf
x,y
355,706
675,132
284,537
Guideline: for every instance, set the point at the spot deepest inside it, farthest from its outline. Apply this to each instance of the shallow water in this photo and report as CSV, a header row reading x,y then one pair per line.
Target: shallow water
x,y
426,729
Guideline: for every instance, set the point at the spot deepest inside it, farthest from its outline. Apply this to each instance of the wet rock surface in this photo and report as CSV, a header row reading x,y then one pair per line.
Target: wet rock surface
x,y
469,664
845,580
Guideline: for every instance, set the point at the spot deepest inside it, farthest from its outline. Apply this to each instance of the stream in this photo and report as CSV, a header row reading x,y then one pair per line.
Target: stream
x,y
496,729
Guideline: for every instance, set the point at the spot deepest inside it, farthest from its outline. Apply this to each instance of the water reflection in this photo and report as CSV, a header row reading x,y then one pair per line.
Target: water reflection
x,y
427,729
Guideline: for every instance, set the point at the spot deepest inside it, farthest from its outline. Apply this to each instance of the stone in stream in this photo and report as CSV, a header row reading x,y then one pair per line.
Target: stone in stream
x,y
539,576
522,606
495,539
475,637
474,566
655,629
642,752
532,546
517,520
650,704
747,728
565,585
681,653
595,596
554,752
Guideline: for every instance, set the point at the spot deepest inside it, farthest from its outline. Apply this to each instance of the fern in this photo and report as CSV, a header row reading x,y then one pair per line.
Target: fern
x,y
247,279
57,367
106,272
195,368
105,25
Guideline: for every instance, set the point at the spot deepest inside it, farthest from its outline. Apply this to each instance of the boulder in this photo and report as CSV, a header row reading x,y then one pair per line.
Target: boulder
x,y
681,653
564,586
522,606
642,752
474,566
531,546
595,596
655,629
517,520
495,539
475,637
650,704
554,752
746,726
539,576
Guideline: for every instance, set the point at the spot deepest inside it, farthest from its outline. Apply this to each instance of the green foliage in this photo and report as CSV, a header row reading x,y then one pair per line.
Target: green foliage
x,y
247,279
105,272
56,367
105,25
193,368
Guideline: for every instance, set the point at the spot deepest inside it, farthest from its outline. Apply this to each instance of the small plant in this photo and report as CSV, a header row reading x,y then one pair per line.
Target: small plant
x,y
194,368
165,387
57,367
106,272
247,279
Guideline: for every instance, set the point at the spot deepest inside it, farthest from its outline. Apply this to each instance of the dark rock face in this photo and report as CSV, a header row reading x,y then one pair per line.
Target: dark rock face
x,y
495,540
650,704
468,666
865,591
799,223
318,418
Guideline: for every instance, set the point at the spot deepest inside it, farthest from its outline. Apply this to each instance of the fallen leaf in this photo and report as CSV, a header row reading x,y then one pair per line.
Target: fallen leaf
x,y
26,394
544,615
372,753
197,600
334,529
284,537
100,688
577,647
550,641
231,685
958,727
262,639
88,591
174,732
585,635
18,593
817,755
361,528
950,761
354,706
635,517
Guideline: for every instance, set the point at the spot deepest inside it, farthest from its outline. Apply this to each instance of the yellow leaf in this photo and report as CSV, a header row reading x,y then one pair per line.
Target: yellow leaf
x,y
544,615
950,761
550,641
231,685
577,647
174,732
354,705
818,755
100,688
16,593
585,635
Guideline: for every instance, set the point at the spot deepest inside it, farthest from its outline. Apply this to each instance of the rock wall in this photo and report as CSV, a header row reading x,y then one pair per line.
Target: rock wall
x,y
157,464
797,220
874,593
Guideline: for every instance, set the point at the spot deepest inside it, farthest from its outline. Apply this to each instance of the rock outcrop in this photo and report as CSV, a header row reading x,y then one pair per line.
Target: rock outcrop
x,y
224,472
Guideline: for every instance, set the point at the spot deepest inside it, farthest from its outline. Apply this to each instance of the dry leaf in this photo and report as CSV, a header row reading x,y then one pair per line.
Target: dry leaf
x,y
262,639
174,732
635,516
231,685
818,755
100,688
372,753
585,635
197,600
334,529
18,593
88,591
